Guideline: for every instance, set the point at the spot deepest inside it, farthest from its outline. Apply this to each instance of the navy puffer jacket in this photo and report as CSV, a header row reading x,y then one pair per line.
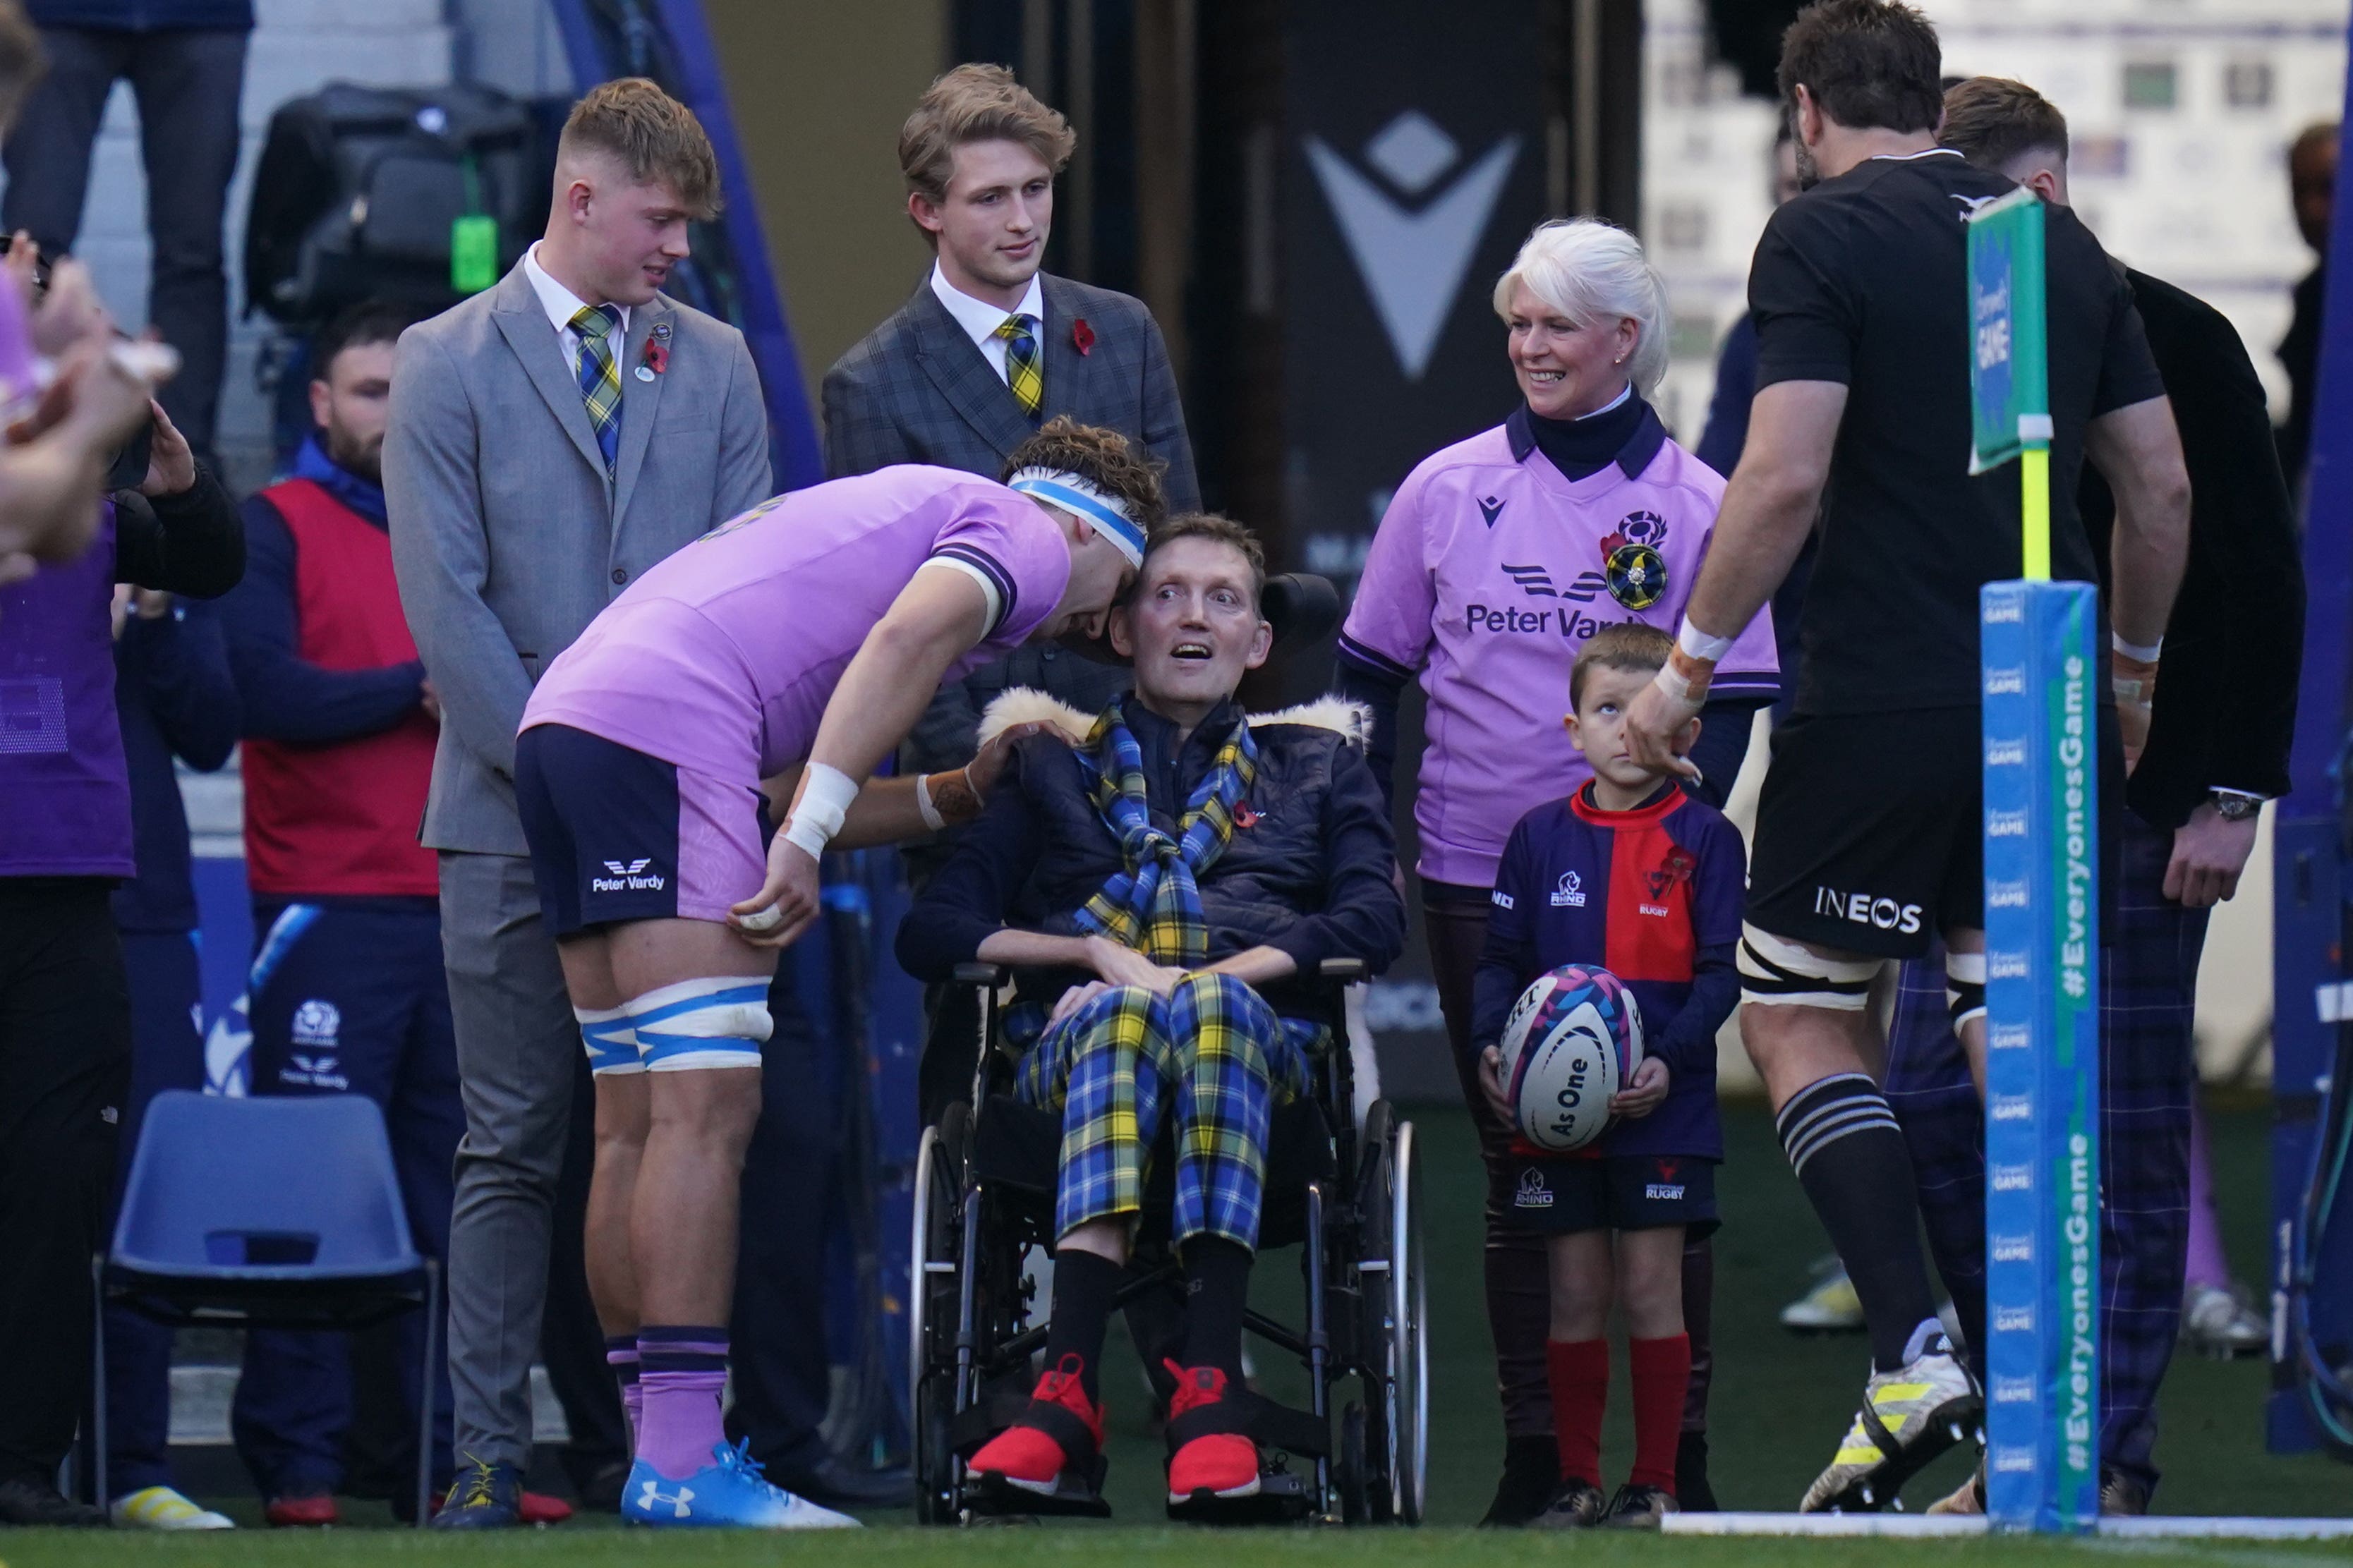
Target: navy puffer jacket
x,y
1311,868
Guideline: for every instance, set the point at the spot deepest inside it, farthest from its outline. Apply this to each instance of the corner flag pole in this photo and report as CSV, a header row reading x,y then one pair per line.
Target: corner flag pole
x,y
2038,664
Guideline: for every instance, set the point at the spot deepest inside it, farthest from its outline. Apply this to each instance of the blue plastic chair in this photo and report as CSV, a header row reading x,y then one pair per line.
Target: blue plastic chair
x,y
275,1212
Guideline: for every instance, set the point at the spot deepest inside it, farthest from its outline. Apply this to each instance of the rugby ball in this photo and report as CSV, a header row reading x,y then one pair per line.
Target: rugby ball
x,y
1572,1040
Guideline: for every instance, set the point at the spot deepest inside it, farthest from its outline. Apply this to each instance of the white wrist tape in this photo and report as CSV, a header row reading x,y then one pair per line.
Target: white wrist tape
x,y
2134,651
826,795
1698,644
924,804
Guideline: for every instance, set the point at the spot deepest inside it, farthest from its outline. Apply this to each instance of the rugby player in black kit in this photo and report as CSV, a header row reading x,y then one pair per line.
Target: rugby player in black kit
x,y
1868,830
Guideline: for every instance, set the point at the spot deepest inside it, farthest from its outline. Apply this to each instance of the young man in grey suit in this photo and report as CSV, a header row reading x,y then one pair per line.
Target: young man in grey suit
x,y
989,346
551,440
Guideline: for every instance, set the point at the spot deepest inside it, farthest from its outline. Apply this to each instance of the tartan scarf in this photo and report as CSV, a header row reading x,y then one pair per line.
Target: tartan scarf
x,y
1154,904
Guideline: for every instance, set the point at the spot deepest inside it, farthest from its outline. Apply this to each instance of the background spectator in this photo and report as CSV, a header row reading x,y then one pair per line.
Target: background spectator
x,y
175,698
347,993
185,62
65,1002
2312,187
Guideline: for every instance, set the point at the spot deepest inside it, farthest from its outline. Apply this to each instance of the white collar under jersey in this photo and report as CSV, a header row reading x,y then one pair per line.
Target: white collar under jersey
x,y
1907,157
980,320
560,303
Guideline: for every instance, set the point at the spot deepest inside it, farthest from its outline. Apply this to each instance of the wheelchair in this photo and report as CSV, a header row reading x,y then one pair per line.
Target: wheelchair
x,y
1349,1198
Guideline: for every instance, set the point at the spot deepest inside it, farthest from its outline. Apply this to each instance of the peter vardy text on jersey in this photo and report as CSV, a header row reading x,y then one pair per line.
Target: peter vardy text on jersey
x,y
1573,625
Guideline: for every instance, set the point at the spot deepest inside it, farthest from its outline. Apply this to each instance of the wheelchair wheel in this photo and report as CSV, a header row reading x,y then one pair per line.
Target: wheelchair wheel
x,y
1409,1347
932,1314
1395,1339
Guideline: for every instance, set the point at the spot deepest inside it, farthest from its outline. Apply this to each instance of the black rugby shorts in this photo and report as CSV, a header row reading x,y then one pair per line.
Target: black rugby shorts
x,y
1871,831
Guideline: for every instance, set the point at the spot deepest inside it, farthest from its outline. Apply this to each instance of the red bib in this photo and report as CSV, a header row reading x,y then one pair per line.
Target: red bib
x,y
341,819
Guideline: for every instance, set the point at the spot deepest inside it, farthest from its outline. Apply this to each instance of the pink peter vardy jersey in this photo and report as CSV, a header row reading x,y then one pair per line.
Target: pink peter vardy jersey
x,y
722,657
1489,570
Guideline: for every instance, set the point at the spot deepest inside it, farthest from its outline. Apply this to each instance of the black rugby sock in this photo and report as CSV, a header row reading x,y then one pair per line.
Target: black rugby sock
x,y
1850,1158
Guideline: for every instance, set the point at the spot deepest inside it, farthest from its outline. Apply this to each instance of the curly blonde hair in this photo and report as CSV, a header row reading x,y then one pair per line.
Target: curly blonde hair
x,y
1105,459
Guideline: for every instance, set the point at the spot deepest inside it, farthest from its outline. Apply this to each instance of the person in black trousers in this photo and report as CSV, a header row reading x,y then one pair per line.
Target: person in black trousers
x,y
65,1001
176,699
185,60
2218,743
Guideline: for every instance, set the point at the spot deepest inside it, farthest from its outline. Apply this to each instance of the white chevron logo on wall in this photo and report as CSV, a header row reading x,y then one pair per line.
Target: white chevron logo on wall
x,y
1412,262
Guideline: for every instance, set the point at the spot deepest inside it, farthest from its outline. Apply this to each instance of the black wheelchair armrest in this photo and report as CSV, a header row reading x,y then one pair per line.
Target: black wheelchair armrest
x,y
1338,970
989,975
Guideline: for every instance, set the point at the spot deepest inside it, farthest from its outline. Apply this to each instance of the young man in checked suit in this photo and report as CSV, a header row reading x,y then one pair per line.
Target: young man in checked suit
x,y
550,438
989,347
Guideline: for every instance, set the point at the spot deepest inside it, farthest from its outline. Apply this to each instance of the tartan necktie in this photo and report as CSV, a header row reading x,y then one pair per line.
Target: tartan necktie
x,y
1023,372
600,376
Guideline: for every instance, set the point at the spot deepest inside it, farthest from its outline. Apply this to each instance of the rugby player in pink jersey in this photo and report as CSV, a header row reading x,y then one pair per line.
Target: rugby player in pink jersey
x,y
780,657
1499,558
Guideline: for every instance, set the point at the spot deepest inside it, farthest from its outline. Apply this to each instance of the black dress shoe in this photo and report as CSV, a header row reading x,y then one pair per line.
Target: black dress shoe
x,y
34,1503
835,1483
1691,1491
1531,1475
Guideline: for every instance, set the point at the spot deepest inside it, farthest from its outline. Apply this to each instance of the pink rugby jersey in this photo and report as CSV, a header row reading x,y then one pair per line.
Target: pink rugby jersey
x,y
1489,570
722,657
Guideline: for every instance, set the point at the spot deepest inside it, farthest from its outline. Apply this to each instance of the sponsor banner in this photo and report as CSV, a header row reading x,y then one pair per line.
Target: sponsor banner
x,y
2042,904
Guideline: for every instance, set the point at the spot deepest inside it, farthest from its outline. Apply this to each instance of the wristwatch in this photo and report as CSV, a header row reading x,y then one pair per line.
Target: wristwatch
x,y
2236,805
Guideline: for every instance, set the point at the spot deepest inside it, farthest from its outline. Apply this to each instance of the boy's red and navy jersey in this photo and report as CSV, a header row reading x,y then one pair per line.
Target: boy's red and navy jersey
x,y
1653,894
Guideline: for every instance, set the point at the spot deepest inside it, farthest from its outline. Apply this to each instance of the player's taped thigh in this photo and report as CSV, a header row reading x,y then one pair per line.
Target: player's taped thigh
x,y
701,1023
1964,986
610,1040
1778,972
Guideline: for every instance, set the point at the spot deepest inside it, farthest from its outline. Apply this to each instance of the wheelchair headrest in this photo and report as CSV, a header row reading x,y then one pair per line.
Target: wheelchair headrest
x,y
1301,606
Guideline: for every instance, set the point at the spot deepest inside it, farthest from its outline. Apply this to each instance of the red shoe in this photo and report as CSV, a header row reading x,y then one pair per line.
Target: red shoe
x,y
1221,1463
538,1507
300,1512
1060,1431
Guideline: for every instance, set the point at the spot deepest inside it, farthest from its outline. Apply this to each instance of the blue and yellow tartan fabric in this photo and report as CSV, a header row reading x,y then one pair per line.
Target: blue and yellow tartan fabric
x,y
1025,372
600,376
1155,904
1212,1051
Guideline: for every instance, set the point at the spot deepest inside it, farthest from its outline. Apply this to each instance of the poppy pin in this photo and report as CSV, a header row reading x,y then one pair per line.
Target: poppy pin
x,y
1082,336
656,355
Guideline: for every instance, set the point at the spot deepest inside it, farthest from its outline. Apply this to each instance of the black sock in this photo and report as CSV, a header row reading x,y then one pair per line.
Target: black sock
x,y
1084,1283
1216,1293
1850,1158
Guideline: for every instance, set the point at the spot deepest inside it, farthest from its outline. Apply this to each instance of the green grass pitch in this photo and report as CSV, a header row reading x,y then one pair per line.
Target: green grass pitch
x,y
1779,1406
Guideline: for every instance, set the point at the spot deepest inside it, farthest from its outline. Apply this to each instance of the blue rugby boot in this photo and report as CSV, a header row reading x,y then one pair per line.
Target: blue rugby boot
x,y
729,1493
485,1496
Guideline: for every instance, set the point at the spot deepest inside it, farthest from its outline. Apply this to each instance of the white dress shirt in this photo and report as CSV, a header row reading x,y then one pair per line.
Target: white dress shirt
x,y
560,305
980,320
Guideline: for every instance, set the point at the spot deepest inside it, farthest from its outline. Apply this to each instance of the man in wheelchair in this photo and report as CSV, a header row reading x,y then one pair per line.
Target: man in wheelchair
x,y
1165,878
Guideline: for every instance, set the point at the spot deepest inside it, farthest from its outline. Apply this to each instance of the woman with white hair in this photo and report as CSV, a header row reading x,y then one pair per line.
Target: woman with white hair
x,y
1498,558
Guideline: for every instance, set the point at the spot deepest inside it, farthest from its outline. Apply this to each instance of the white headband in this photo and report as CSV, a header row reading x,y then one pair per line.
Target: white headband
x,y
1078,494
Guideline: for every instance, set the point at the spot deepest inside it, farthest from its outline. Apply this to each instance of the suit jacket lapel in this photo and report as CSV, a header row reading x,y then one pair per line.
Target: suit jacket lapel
x,y
1070,375
640,398
534,342
962,374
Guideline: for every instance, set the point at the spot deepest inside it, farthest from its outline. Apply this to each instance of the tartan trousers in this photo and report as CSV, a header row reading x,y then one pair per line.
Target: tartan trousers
x,y
1213,1047
2147,1077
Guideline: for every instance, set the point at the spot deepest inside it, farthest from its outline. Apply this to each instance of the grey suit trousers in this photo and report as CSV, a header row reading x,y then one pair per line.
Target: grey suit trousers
x,y
516,1042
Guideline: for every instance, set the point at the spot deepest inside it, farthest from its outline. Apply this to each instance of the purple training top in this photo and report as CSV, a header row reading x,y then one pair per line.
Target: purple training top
x,y
722,657
1488,572
65,794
